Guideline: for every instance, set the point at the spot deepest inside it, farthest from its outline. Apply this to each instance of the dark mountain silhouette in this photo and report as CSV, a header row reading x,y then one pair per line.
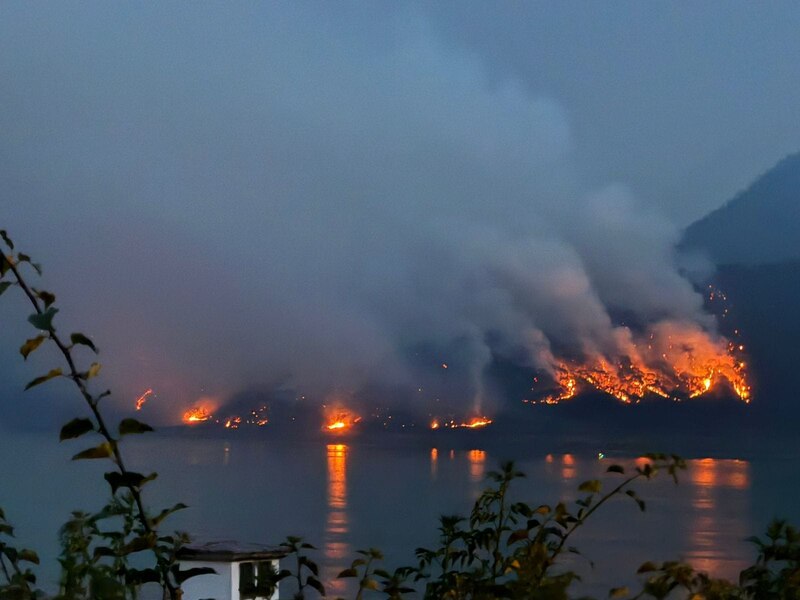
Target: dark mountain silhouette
x,y
759,225
754,242
765,306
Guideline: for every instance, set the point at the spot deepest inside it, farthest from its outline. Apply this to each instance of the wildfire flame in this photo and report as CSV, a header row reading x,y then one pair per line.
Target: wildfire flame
x,y
196,415
143,398
477,422
341,421
674,360
473,423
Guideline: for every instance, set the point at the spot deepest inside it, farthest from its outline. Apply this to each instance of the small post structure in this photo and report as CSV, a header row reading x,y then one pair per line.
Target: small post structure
x,y
243,571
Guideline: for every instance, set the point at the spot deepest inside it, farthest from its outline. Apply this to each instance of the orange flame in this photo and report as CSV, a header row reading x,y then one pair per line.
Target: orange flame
x,y
233,422
143,398
477,422
674,360
196,415
473,423
341,421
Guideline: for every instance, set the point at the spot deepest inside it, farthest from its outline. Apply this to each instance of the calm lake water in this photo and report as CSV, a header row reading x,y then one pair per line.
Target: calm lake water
x,y
387,492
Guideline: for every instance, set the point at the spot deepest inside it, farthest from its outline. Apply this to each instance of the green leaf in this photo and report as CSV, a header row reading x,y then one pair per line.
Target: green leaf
x,y
5,265
315,583
370,584
94,371
137,544
155,521
79,338
647,567
47,297
4,285
127,426
182,575
6,239
141,576
516,536
312,566
28,556
101,451
31,345
592,486
75,428
27,259
129,479
10,552
347,573
619,592
43,378
43,321
103,551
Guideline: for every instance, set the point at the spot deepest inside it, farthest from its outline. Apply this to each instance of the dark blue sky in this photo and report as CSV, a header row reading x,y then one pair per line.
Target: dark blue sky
x,y
295,193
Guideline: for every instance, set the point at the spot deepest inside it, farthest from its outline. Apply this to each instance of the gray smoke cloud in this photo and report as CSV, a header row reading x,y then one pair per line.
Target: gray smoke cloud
x,y
265,198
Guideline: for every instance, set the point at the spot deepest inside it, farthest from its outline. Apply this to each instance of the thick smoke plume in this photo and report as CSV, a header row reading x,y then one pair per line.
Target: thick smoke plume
x,y
286,207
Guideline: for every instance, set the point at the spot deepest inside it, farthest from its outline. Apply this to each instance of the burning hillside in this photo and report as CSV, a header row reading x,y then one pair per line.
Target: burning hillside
x,y
672,360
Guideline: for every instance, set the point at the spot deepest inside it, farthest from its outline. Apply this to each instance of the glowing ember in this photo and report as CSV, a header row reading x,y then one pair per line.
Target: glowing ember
x,y
672,360
435,424
142,399
196,415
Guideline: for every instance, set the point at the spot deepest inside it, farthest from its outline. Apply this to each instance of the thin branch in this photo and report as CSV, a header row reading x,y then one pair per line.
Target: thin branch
x,y
5,569
93,403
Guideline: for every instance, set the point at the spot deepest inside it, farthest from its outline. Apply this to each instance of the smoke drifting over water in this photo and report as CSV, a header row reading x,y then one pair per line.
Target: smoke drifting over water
x,y
286,207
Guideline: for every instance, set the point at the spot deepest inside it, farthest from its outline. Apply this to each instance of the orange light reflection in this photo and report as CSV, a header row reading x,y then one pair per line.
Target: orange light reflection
x,y
477,464
337,525
568,470
710,477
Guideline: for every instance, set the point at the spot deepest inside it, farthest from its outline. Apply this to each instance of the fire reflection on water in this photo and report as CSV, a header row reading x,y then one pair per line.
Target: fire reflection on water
x,y
718,497
568,470
714,479
718,494
477,465
337,549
